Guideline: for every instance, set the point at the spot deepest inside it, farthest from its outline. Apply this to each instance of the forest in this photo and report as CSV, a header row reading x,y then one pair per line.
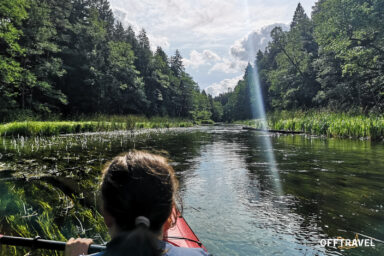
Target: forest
x,y
333,61
63,58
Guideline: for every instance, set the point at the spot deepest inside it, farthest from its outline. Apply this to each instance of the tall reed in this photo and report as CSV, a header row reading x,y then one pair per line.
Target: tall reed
x,y
325,123
95,124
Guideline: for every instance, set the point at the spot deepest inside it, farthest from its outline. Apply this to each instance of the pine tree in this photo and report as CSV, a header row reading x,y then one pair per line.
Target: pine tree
x,y
299,17
105,14
177,64
119,33
144,54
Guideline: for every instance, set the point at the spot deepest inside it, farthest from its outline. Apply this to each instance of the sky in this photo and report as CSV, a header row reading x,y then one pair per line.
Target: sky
x,y
217,38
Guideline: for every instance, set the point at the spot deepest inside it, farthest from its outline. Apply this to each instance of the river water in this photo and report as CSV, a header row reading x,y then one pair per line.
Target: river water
x,y
330,188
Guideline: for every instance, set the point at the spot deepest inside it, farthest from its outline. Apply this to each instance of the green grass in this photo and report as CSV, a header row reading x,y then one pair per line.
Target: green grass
x,y
325,123
95,124
206,122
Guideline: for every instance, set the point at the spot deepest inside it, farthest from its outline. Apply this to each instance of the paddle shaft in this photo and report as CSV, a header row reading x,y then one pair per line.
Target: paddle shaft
x,y
38,243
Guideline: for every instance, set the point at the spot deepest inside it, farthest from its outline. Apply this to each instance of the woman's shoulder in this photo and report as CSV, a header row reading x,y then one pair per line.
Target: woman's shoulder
x,y
171,250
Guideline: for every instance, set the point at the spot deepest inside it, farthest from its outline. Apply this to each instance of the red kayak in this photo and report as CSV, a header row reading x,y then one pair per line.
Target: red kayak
x,y
181,234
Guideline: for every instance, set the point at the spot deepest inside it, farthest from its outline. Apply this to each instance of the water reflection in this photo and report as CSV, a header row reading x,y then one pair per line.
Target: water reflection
x,y
233,186
321,179
327,186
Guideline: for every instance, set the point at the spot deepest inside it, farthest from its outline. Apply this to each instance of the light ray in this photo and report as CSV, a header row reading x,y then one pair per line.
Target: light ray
x,y
258,111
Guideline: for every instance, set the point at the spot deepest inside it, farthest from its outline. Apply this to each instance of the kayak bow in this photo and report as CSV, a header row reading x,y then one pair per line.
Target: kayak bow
x,y
181,234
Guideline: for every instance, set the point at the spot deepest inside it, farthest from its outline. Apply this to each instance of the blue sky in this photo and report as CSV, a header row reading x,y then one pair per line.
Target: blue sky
x,y
212,35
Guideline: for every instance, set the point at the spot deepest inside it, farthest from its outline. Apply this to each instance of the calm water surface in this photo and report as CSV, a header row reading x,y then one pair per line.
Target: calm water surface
x,y
330,188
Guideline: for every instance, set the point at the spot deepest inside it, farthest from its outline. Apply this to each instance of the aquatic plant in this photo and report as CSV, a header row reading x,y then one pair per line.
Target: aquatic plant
x,y
324,123
41,208
113,123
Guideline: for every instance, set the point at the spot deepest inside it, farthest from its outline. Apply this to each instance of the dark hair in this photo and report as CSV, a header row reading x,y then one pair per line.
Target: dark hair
x,y
135,184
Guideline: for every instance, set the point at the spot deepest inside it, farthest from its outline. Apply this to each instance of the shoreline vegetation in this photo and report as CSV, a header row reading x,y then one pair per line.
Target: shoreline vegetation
x,y
96,124
322,123
310,65
340,125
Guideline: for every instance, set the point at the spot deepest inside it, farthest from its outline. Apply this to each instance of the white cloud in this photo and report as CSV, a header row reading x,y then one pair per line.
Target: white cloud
x,y
246,48
203,22
210,55
123,16
223,86
161,41
198,27
197,59
229,66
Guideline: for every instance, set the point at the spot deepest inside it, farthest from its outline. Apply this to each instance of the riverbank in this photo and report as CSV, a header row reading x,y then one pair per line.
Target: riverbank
x,y
48,128
324,123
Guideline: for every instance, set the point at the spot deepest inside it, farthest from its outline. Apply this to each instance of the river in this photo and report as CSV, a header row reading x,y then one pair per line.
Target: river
x,y
329,188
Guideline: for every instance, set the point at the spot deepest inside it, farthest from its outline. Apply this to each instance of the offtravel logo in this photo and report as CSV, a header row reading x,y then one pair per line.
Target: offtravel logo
x,y
344,244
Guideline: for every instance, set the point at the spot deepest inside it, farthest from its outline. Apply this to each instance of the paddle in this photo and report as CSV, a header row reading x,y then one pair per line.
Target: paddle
x,y
38,243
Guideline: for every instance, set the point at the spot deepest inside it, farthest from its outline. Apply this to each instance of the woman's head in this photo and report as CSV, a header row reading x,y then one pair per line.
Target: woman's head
x,y
137,184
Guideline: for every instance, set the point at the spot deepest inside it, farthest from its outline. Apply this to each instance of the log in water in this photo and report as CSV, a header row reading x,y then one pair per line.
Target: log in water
x,y
275,131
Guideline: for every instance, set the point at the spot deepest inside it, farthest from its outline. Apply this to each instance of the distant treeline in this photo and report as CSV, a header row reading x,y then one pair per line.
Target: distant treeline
x,y
71,57
334,61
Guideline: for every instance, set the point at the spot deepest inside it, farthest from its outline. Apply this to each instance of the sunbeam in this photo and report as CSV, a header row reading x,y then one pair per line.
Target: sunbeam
x,y
258,111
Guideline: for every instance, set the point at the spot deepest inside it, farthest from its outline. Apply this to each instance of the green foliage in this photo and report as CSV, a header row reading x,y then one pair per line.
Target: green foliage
x,y
12,13
217,110
200,115
37,91
292,79
70,58
351,38
207,121
334,60
177,64
100,123
42,208
325,123
242,103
